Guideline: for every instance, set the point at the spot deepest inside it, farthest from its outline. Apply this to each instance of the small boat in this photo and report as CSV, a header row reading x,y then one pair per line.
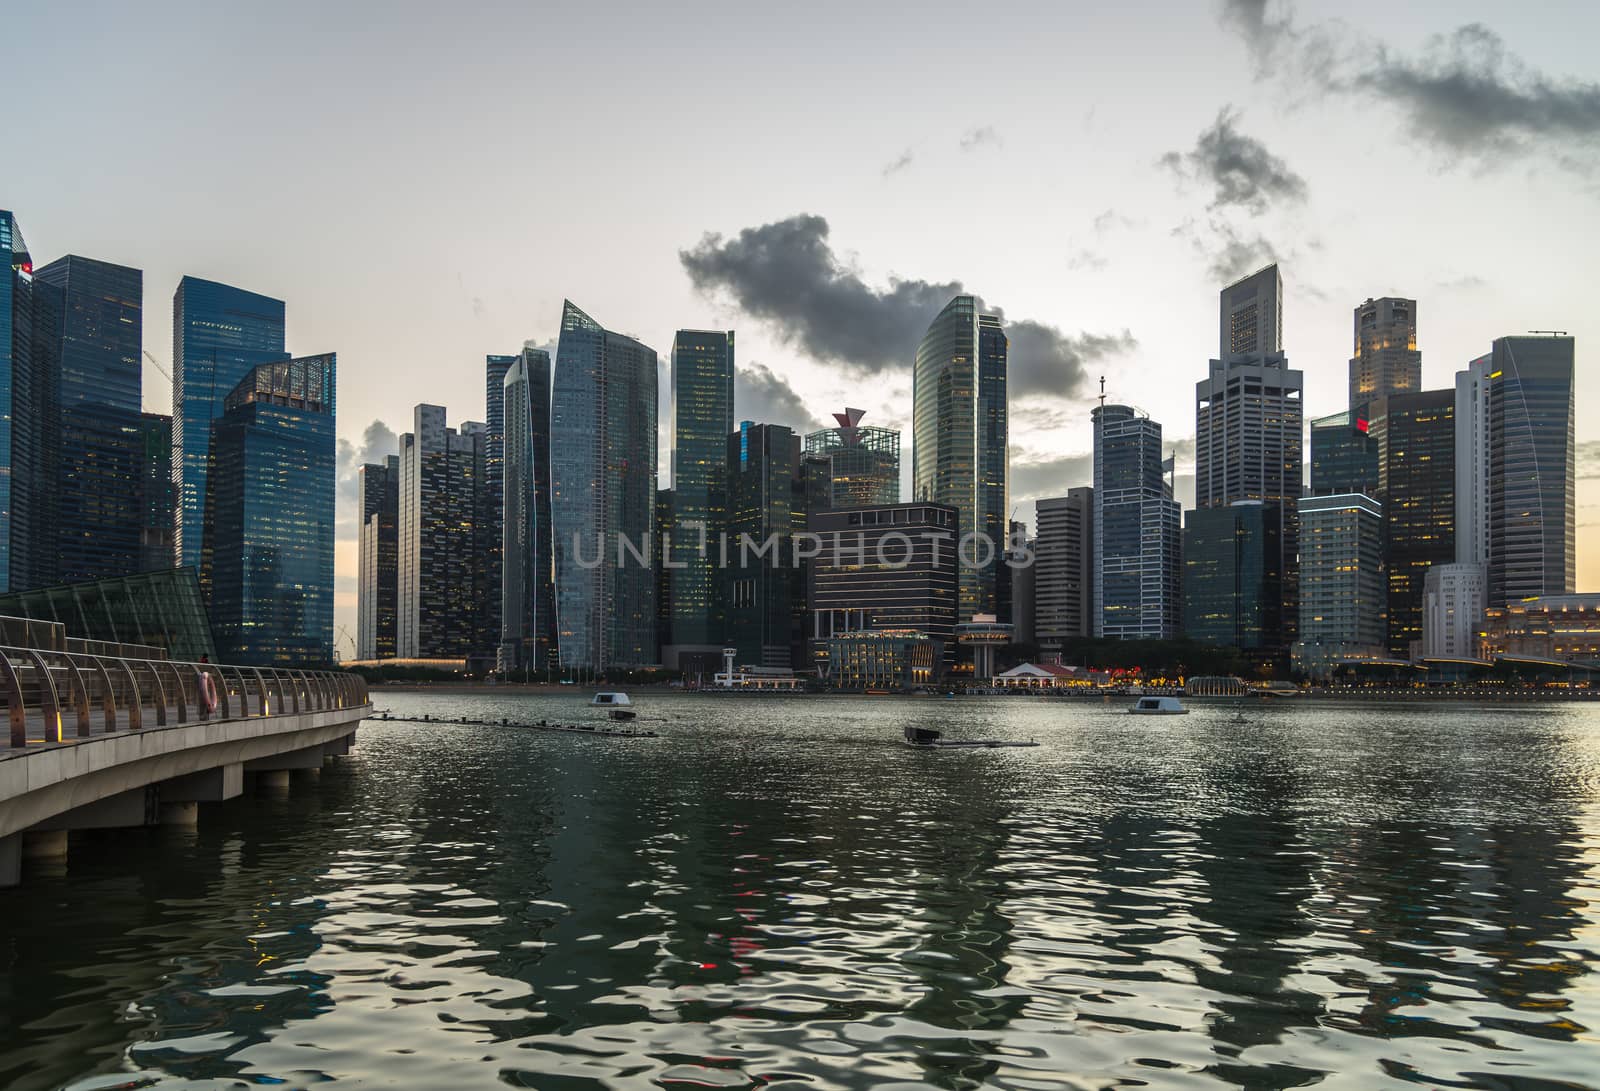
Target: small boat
x,y
1158,706
926,738
615,704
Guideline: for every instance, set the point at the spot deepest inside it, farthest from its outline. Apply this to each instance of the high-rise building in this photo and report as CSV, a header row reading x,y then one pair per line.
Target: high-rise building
x,y
1137,533
267,557
763,591
1232,585
1024,600
158,496
378,563
1386,359
1532,469
958,438
528,614
863,462
603,479
492,565
702,420
1249,419
1063,568
1415,438
22,416
1452,608
1343,456
98,450
885,568
1342,592
438,607
1472,462
219,333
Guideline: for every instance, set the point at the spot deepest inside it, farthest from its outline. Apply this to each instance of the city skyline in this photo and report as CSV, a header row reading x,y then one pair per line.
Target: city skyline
x,y
1130,245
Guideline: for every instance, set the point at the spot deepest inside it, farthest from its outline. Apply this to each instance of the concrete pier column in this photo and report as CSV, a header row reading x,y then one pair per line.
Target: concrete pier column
x,y
184,813
10,860
44,844
273,780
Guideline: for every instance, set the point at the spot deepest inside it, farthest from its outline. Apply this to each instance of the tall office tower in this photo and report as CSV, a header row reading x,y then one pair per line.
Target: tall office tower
x,y
763,591
702,418
1024,600
1343,456
1415,437
218,334
1232,585
1249,419
378,560
1137,536
1532,469
494,495
666,529
603,478
22,418
1387,360
158,494
1452,609
1472,462
1063,568
889,567
958,439
440,539
864,463
528,613
267,557
98,385
1342,592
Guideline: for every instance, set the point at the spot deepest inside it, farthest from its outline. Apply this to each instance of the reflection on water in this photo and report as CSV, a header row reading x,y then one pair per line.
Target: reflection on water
x,y
777,894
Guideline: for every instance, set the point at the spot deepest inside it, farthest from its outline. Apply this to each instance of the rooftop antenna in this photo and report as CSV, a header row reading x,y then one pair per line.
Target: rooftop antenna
x,y
1551,333
1102,392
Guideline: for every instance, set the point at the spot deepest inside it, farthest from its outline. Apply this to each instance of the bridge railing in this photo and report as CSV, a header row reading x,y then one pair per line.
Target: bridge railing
x,y
56,696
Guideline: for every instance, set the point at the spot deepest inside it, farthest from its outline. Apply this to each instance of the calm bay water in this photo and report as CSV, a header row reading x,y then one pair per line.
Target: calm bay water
x,y
777,894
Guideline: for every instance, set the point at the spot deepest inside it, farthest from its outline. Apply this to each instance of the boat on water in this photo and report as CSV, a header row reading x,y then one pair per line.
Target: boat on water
x,y
1158,706
926,738
617,705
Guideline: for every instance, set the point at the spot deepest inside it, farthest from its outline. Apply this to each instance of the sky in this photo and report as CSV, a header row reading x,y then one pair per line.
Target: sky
x,y
423,184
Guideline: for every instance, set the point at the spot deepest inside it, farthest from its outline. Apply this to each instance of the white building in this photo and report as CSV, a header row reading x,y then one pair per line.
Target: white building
x,y
1453,599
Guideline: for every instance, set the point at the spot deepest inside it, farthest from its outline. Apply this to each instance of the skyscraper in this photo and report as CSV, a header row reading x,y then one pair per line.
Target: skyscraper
x,y
603,480
1532,469
1472,462
1342,594
98,383
1063,567
702,419
959,440
438,603
1249,420
267,557
20,410
1343,456
219,333
1232,585
863,462
1136,530
492,566
378,559
528,614
1415,438
1386,359
763,592
158,494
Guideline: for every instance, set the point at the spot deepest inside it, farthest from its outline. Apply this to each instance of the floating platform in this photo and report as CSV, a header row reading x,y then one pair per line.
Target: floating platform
x,y
605,729
968,744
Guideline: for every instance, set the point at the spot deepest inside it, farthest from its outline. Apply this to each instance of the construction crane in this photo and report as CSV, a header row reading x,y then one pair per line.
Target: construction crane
x,y
156,362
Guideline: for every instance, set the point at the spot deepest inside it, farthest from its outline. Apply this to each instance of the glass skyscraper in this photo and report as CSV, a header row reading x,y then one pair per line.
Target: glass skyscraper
x,y
16,333
159,492
959,435
494,496
1415,438
1343,456
1232,585
378,561
1532,469
702,419
1387,360
603,480
219,333
763,593
863,462
528,610
1137,533
98,450
267,558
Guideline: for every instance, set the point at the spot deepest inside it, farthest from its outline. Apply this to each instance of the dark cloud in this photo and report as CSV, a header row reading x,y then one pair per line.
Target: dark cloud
x,y
898,163
787,274
1229,252
1240,170
1032,478
763,396
974,139
1264,34
378,441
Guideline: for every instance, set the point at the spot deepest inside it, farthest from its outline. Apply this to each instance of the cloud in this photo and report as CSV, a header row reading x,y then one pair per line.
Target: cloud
x,y
1588,457
1032,478
1264,34
1091,260
378,441
763,396
1111,219
898,163
1467,282
1240,169
787,274
982,136
1229,252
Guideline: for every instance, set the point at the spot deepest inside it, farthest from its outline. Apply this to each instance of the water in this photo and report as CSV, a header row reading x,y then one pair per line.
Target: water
x,y
776,894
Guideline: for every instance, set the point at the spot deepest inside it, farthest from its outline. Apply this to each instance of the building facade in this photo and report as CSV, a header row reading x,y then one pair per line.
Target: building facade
x,y
1232,586
23,412
1343,456
528,614
219,333
494,497
1453,598
603,483
863,462
1343,595
158,493
1532,469
1137,530
1386,359
1554,627
267,558
762,588
959,440
702,420
378,562
1063,568
1472,461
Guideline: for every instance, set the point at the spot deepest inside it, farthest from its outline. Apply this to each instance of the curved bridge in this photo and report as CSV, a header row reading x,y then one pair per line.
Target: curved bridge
x,y
99,741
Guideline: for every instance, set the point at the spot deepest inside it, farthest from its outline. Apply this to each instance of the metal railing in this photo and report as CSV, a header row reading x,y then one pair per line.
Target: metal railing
x,y
102,695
